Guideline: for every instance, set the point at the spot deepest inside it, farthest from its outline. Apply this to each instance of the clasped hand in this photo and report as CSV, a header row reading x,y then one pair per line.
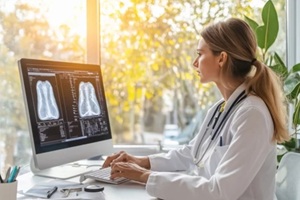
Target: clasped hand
x,y
125,165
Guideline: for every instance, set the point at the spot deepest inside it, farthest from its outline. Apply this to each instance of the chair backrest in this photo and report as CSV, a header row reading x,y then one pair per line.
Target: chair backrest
x,y
288,177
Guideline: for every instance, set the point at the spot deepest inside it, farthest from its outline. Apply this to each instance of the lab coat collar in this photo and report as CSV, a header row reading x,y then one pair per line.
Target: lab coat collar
x,y
234,95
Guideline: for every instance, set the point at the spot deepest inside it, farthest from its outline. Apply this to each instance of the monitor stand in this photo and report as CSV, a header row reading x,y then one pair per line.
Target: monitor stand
x,y
66,171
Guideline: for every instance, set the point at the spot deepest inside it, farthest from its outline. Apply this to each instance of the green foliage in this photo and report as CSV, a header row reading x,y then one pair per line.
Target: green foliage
x,y
279,67
266,35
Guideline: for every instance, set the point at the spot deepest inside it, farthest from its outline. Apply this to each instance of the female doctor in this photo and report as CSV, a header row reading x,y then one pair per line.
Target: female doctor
x,y
234,154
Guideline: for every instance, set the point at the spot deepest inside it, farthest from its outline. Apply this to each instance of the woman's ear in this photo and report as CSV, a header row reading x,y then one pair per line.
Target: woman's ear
x,y
222,58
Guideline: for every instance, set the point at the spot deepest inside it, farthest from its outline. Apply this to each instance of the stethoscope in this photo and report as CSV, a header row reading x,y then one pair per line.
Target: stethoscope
x,y
212,125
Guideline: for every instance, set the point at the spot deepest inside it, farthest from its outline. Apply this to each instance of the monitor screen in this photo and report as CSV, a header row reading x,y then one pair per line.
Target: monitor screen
x,y
66,111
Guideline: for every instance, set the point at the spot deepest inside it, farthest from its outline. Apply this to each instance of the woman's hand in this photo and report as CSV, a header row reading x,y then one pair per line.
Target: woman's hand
x,y
125,157
130,171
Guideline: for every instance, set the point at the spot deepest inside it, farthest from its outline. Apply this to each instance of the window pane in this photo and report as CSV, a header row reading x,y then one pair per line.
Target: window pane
x,y
147,50
40,29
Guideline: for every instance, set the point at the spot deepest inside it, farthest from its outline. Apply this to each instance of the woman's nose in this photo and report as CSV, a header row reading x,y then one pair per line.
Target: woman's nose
x,y
195,63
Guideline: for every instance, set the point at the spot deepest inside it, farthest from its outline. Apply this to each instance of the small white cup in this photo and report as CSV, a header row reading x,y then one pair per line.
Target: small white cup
x,y
9,190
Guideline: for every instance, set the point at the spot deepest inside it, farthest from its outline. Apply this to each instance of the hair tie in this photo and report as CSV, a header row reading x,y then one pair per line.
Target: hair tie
x,y
253,61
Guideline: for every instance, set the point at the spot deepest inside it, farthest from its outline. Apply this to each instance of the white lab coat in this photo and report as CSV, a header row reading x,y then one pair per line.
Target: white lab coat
x,y
242,168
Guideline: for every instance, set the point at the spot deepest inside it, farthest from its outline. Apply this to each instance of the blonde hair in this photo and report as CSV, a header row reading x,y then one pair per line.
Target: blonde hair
x,y
235,37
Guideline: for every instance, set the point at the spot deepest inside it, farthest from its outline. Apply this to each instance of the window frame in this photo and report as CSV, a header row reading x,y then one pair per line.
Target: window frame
x,y
93,32
292,41
293,29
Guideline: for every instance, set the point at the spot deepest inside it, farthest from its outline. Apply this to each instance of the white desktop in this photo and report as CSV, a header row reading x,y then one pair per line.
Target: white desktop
x,y
67,115
128,190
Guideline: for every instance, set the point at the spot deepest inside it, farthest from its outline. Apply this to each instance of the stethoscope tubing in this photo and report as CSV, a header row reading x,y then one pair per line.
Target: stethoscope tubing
x,y
216,133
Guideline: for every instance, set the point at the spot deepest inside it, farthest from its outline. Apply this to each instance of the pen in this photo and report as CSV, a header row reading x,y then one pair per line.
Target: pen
x,y
51,192
18,170
7,175
16,174
12,174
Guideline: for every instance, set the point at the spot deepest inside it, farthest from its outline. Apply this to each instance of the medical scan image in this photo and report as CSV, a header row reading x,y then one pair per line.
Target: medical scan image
x,y
46,104
88,104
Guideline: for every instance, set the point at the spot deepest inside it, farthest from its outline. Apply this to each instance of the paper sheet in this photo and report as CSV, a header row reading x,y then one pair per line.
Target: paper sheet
x,y
62,184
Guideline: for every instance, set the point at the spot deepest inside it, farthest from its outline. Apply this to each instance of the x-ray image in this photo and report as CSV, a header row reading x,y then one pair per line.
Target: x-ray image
x,y
88,103
46,104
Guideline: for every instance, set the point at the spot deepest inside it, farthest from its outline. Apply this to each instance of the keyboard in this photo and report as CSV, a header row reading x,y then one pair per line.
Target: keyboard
x,y
102,175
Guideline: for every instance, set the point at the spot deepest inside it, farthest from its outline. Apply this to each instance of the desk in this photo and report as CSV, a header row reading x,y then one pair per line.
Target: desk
x,y
129,190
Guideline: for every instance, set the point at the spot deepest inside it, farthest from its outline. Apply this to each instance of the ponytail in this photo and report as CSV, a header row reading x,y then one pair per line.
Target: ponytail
x,y
268,86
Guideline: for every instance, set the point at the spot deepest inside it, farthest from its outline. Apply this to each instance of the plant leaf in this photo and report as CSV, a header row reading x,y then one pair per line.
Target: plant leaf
x,y
267,33
253,24
292,86
295,68
281,68
296,115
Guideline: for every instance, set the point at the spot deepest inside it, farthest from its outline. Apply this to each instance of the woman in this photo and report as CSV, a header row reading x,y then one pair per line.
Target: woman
x,y
234,154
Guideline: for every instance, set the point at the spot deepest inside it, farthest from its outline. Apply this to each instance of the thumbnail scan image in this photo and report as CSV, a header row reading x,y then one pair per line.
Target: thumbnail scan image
x,y
46,104
88,104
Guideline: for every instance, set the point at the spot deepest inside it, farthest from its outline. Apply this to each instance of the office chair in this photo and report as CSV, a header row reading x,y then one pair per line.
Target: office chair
x,y
288,177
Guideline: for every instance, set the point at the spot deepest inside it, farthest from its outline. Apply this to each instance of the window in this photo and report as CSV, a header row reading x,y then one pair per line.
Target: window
x,y
147,49
40,29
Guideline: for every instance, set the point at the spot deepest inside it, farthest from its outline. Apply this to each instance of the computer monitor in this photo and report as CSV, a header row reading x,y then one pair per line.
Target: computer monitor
x,y
66,113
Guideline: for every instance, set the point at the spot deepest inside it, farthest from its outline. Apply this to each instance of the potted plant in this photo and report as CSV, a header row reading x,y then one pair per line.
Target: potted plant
x,y
266,35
